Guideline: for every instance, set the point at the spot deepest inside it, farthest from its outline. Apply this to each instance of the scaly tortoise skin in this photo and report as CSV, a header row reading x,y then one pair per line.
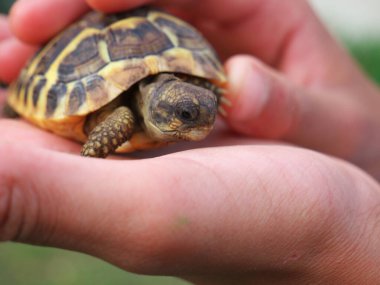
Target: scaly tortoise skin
x,y
123,82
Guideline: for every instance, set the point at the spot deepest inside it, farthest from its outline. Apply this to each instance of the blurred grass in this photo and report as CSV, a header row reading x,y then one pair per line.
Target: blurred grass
x,y
24,264
368,55
5,5
31,265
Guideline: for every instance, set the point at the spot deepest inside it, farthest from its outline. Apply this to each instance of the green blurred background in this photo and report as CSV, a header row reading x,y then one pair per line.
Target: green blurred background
x,y
23,264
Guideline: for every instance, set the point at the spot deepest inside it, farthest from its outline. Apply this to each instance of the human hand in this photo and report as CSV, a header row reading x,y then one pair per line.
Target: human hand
x,y
301,88
246,214
317,211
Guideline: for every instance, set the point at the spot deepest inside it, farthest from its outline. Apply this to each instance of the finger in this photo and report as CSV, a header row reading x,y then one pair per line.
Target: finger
x,y
4,28
13,56
265,104
120,5
46,17
116,5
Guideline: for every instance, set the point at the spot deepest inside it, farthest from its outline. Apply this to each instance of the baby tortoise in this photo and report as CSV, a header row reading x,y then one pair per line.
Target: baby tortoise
x,y
123,82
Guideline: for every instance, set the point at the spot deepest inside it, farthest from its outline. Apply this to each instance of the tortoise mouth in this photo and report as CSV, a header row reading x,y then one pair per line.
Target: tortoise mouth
x,y
185,134
190,134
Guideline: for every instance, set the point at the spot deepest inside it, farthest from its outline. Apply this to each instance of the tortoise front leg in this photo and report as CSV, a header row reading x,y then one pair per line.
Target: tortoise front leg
x,y
109,134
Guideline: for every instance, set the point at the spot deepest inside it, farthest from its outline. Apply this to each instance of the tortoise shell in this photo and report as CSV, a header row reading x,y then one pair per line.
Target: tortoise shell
x,y
98,58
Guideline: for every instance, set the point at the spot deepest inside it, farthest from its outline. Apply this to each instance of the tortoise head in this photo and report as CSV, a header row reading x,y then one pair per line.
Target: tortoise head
x,y
176,110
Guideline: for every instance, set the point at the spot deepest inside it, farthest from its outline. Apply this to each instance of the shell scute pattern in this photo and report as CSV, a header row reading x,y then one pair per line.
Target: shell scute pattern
x,y
187,37
84,60
96,59
96,90
37,89
54,96
137,42
77,97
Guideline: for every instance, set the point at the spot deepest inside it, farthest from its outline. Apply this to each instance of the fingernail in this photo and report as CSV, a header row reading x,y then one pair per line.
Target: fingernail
x,y
249,88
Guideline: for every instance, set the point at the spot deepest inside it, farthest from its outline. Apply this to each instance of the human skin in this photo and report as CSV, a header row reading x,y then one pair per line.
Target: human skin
x,y
234,210
301,86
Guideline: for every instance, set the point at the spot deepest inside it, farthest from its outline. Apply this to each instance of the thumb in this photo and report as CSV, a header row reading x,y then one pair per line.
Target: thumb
x,y
265,104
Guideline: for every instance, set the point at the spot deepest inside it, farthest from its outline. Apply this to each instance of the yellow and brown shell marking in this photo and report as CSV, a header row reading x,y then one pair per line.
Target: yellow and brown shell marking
x,y
96,59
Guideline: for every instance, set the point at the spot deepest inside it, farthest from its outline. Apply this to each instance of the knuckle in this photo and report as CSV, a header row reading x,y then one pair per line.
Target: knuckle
x,y
17,204
4,210
10,212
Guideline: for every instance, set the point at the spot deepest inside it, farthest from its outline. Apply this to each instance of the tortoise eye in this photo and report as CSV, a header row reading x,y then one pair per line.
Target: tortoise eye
x,y
187,111
186,115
